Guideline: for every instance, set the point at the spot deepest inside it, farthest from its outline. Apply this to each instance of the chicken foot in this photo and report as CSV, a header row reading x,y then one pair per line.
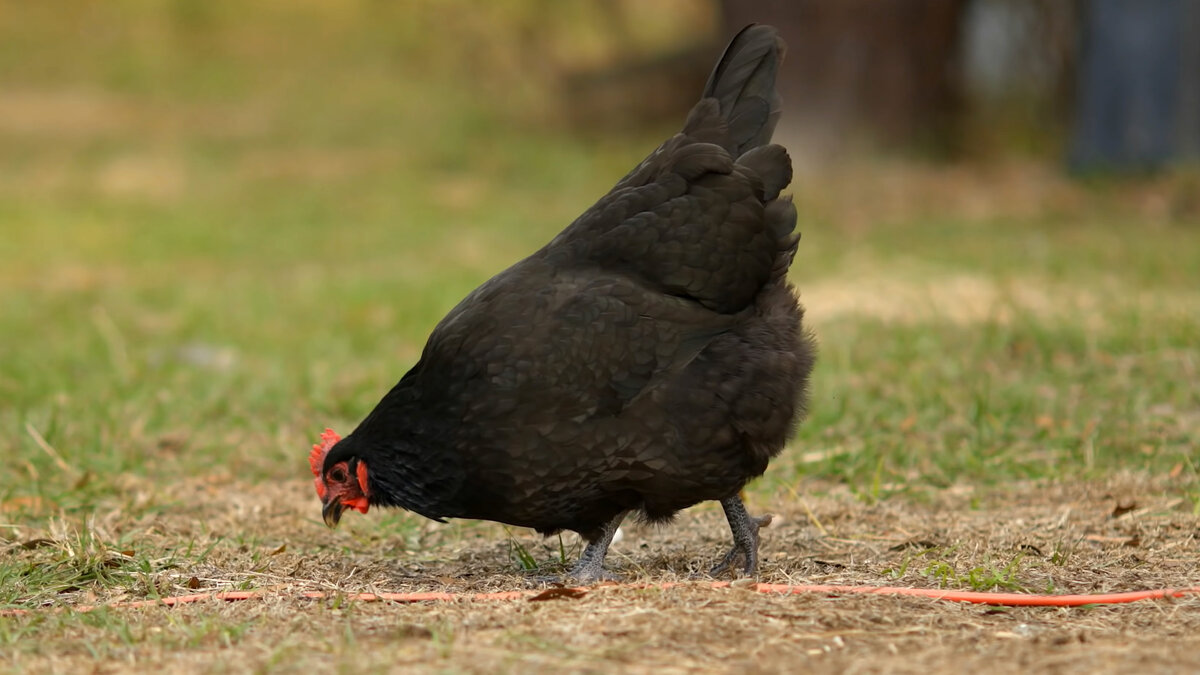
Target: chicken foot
x,y
590,566
745,537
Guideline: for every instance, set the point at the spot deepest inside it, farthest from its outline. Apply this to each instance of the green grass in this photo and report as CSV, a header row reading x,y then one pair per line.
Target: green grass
x,y
939,403
939,566
250,241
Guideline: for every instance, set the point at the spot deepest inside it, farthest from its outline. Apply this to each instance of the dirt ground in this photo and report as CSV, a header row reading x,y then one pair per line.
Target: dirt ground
x,y
1084,538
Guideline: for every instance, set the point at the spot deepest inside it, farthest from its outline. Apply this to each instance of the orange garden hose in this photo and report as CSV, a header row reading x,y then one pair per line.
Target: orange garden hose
x,y
1006,599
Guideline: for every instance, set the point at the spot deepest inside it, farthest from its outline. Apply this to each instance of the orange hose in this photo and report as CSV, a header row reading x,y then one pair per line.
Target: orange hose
x,y
1007,599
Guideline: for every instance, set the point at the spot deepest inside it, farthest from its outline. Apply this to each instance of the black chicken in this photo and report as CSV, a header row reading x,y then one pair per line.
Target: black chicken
x,y
649,358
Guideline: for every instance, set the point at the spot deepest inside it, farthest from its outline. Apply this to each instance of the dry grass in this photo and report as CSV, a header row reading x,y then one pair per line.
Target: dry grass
x,y
1123,534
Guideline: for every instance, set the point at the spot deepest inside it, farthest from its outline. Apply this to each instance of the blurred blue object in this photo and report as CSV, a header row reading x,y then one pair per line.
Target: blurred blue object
x,y
1138,101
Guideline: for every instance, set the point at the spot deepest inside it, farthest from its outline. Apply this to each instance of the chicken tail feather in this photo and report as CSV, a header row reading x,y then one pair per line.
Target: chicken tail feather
x,y
743,83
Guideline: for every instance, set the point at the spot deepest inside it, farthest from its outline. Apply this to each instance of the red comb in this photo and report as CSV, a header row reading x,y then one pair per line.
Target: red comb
x,y
316,458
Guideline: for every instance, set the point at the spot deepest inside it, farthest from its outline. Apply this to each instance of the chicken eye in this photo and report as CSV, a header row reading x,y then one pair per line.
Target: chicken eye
x,y
338,475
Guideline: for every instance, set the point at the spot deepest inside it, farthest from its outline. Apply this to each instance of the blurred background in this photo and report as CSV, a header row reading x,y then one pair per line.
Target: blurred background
x,y
226,225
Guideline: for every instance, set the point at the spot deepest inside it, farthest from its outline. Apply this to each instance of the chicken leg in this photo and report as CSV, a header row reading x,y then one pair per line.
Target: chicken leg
x,y
590,566
745,537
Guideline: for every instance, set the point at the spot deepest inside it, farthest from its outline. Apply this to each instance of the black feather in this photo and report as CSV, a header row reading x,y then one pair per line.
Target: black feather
x,y
744,85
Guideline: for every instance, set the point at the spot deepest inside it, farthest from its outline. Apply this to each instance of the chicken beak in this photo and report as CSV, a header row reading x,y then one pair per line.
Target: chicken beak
x,y
331,512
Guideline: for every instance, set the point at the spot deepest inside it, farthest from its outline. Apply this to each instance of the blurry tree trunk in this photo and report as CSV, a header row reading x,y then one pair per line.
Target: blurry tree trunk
x,y
883,69
1138,103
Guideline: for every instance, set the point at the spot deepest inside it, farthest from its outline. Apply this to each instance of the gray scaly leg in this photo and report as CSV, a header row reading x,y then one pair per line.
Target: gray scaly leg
x,y
745,537
590,567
